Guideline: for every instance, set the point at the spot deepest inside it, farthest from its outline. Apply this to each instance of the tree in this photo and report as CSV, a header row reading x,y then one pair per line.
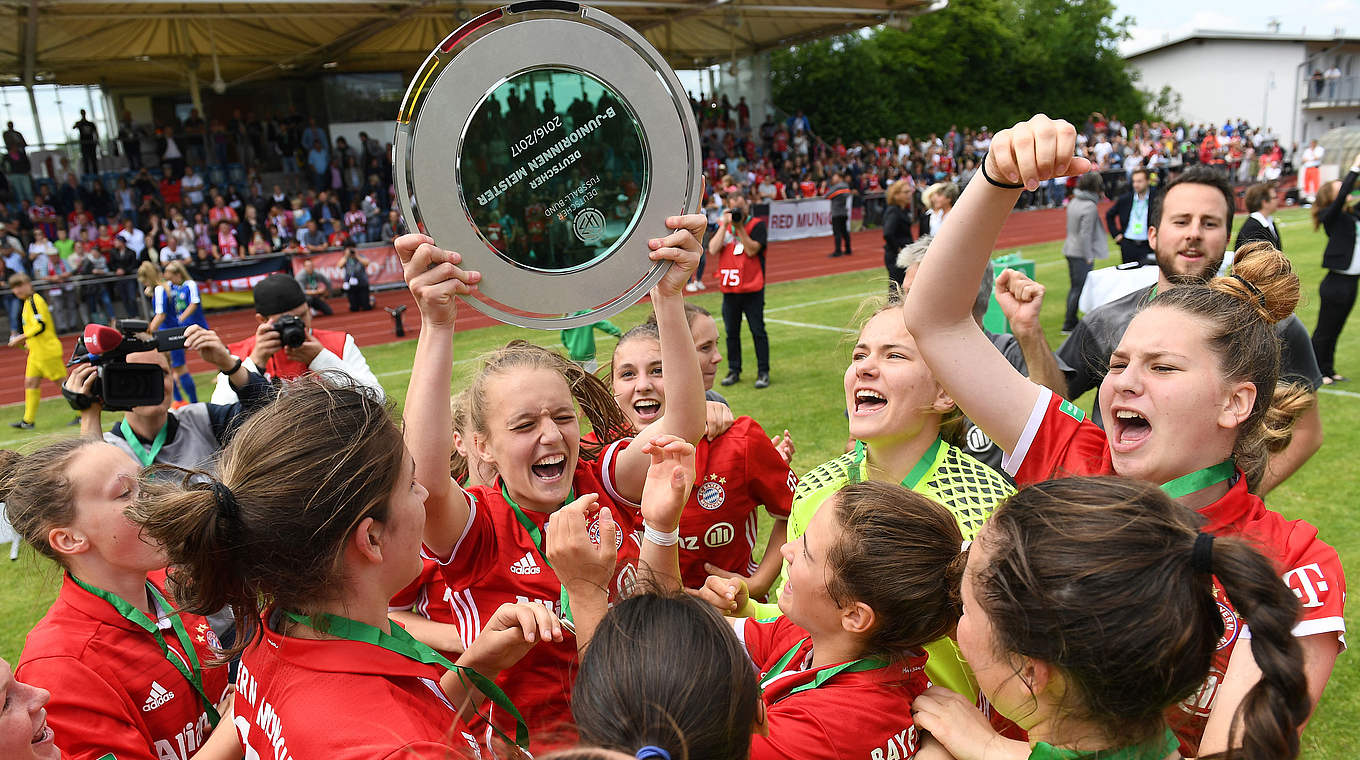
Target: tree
x,y
977,62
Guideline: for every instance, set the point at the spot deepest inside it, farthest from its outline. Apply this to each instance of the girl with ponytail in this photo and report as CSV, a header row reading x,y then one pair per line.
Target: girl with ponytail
x,y
1088,650
311,525
873,579
124,665
1190,401
491,540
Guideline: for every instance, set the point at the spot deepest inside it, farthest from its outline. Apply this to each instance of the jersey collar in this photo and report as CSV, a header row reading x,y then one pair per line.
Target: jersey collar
x,y
340,655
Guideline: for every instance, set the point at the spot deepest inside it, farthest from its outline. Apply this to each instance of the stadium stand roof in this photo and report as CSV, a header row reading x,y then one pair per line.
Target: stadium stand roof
x,y
153,44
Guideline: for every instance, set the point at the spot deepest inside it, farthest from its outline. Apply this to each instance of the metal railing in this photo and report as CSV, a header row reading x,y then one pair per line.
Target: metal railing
x,y
1328,92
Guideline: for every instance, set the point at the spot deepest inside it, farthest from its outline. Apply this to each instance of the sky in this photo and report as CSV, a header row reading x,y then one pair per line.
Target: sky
x,y
1156,21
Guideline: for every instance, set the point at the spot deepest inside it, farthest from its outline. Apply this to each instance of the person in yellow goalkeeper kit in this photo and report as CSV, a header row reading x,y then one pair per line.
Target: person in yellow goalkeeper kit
x,y
44,347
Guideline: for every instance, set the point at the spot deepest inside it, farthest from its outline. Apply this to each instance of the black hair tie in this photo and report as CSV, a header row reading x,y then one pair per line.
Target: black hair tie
x,y
1202,556
226,500
1260,297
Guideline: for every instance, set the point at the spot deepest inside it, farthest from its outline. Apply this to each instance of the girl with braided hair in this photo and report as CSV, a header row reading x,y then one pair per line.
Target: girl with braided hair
x,y
1191,404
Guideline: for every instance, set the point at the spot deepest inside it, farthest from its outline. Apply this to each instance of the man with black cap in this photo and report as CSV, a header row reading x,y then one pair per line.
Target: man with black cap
x,y
278,296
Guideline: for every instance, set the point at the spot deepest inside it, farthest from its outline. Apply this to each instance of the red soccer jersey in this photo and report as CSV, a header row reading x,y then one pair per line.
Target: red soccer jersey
x,y
428,596
810,724
738,272
737,472
113,690
343,700
808,188
1059,442
495,562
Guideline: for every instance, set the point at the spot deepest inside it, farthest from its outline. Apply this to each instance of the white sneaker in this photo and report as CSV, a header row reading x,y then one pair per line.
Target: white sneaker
x,y
692,287
699,285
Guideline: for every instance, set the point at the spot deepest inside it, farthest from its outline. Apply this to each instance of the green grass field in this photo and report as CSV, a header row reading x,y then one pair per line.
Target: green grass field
x,y
808,323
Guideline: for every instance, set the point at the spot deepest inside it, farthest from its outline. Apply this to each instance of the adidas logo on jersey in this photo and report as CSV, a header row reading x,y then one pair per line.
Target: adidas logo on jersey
x,y
159,695
526,565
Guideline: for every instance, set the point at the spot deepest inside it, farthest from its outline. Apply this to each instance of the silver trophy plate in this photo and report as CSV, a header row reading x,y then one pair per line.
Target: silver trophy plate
x,y
530,141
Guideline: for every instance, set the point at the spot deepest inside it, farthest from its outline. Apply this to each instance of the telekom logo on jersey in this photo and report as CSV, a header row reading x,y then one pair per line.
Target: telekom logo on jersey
x,y
1308,591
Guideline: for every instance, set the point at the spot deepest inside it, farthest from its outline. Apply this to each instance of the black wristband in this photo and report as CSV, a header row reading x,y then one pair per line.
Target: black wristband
x,y
234,367
994,183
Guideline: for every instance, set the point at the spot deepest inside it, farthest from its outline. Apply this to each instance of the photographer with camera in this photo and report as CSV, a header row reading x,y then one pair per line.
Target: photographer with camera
x,y
153,433
285,346
739,245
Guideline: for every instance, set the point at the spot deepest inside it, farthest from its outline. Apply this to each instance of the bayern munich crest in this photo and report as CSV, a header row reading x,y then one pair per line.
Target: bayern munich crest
x,y
594,531
711,494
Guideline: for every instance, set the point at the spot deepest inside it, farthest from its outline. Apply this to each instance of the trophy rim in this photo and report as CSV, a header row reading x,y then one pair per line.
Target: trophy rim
x,y
651,96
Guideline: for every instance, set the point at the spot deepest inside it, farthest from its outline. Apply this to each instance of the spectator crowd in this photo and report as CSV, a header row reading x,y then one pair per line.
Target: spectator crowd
x,y
198,192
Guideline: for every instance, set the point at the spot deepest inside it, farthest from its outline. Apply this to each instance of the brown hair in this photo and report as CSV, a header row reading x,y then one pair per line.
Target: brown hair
x,y
692,312
596,400
458,413
1257,195
900,553
1128,621
304,472
1326,196
896,189
633,691
17,279
1241,312
37,492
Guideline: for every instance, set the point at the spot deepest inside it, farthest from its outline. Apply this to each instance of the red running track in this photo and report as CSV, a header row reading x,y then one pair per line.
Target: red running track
x,y
792,260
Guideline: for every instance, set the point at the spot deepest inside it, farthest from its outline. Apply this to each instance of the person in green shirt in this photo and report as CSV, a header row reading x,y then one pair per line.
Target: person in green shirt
x,y
580,342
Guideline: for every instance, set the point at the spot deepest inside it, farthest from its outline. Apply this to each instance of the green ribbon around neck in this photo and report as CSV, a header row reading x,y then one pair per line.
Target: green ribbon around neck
x,y
536,535
193,671
404,644
823,675
913,478
1200,479
144,456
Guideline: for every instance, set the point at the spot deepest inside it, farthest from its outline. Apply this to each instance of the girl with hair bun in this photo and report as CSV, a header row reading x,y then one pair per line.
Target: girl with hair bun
x,y
124,665
490,540
312,525
873,579
1190,401
1087,650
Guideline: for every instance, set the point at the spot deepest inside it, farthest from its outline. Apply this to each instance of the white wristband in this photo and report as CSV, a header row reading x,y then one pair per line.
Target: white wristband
x,y
660,539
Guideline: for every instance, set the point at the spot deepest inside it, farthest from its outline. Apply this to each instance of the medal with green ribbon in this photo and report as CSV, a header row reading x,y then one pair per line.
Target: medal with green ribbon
x,y
134,443
536,535
913,478
192,671
823,675
403,643
1200,479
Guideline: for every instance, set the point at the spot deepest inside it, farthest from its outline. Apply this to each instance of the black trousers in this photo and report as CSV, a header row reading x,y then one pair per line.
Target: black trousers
x,y
840,230
358,298
895,273
1077,269
752,305
1336,297
88,158
319,303
1135,250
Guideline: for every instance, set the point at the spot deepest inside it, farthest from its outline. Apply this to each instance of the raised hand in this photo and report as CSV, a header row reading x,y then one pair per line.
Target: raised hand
x,y
681,248
1020,299
582,565
209,346
434,277
670,476
718,420
510,633
784,445
1034,151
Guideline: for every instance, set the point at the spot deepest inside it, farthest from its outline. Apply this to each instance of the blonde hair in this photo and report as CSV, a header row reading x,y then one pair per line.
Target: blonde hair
x,y
177,267
148,275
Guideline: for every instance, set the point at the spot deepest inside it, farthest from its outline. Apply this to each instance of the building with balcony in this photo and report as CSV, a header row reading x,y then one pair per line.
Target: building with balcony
x,y
1279,81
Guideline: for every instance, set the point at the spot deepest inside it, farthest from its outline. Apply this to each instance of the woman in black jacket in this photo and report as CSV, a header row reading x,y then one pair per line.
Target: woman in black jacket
x,y
896,226
1341,259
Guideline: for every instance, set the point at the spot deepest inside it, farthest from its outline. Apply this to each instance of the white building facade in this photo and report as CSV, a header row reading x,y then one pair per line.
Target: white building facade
x,y
1277,81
